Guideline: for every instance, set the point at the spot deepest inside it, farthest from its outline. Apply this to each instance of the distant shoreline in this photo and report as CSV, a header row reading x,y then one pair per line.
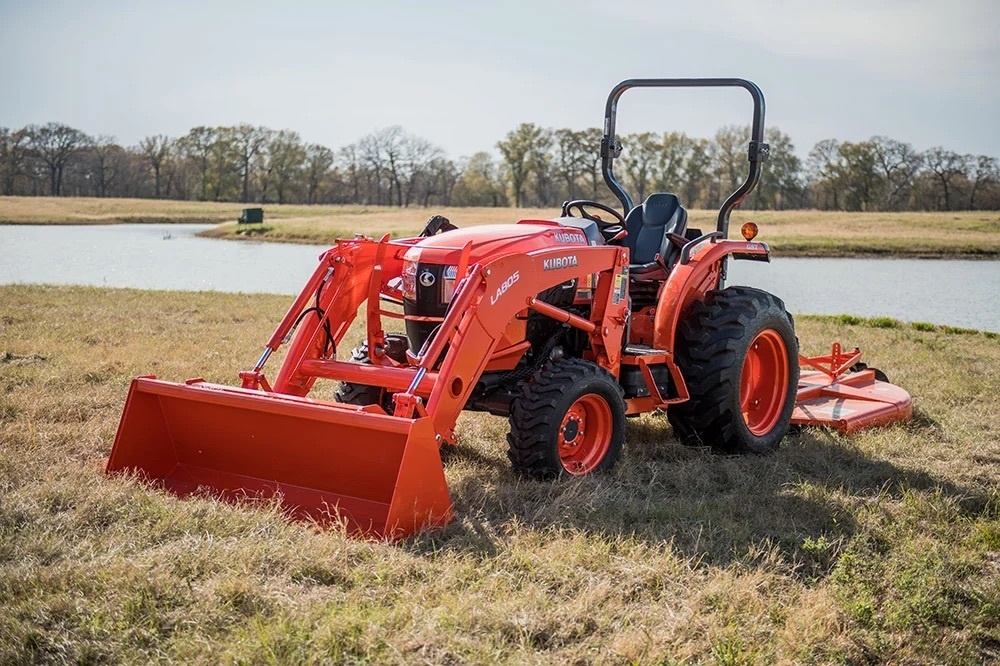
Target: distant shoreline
x,y
111,221
790,233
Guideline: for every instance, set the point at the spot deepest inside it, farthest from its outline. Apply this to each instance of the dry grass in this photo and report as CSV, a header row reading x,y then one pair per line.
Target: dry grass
x,y
790,233
297,222
882,548
89,210
346,221
820,233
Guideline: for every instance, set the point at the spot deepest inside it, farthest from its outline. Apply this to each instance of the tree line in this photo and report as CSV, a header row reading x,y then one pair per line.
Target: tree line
x,y
534,166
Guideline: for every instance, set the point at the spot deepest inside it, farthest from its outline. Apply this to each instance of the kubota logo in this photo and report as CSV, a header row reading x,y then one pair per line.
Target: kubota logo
x,y
563,237
559,262
502,289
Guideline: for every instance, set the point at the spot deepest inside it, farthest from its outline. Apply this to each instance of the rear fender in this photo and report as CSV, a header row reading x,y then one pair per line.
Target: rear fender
x,y
691,280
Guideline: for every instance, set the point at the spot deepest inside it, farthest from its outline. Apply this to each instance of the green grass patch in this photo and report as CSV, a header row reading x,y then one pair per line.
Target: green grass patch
x,y
884,322
891,323
850,320
956,330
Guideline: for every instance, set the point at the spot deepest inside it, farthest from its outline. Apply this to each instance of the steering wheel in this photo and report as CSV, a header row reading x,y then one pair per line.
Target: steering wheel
x,y
582,204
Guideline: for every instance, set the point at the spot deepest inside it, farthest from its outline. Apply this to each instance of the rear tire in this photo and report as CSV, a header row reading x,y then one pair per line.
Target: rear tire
x,y
738,354
568,420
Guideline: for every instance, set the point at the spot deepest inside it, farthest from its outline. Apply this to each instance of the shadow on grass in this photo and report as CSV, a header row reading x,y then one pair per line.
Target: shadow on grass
x,y
803,500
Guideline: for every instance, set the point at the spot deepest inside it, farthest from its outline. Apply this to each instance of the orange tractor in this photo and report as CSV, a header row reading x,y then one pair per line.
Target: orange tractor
x,y
565,326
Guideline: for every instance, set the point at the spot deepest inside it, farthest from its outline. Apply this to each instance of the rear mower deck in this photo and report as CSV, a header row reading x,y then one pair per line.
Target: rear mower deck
x,y
830,394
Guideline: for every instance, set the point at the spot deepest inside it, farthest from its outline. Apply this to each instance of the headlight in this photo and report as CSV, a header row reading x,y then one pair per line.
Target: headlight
x,y
410,280
448,283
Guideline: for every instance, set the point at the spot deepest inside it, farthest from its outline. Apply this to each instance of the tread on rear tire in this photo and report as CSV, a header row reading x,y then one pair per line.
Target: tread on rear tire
x,y
738,353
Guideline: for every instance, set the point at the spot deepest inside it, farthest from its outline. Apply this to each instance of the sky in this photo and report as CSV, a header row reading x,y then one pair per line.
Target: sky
x,y
463,74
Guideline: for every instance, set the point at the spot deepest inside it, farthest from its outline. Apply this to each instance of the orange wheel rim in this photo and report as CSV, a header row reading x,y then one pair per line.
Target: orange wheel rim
x,y
585,434
764,382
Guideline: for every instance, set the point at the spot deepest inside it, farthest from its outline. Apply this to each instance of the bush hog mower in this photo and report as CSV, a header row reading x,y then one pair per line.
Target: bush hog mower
x,y
565,326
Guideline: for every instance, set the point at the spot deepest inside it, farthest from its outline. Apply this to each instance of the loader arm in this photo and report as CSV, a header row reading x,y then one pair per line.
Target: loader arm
x,y
439,381
495,292
346,270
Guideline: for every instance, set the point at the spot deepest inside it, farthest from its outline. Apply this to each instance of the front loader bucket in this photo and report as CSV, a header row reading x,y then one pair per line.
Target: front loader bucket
x,y
379,475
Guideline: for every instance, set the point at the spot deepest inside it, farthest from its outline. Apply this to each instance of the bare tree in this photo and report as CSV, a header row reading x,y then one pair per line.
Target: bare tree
x,y
419,159
824,171
196,146
948,169
436,181
156,149
985,172
13,155
319,160
898,164
248,142
401,159
105,150
349,157
56,144
380,153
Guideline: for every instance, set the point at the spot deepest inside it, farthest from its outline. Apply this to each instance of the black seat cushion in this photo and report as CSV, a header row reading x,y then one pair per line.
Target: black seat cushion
x,y
648,226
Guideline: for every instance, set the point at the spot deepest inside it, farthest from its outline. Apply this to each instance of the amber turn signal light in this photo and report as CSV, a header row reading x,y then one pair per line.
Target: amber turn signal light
x,y
749,231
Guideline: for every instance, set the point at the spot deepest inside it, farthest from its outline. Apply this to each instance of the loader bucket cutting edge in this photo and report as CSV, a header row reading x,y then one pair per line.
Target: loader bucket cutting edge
x,y
380,475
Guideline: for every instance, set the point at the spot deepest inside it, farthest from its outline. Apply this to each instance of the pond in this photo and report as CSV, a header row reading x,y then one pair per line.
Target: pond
x,y
170,256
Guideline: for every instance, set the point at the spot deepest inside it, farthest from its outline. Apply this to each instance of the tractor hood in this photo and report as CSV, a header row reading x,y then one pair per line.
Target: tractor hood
x,y
493,240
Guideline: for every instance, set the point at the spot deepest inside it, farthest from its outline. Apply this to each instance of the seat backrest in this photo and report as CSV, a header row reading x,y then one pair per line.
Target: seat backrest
x,y
649,224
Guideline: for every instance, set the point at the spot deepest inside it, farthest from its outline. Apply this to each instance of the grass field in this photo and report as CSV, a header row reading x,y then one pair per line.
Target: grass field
x,y
790,233
880,548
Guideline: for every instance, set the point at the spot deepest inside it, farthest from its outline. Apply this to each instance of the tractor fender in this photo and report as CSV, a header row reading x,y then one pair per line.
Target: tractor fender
x,y
691,280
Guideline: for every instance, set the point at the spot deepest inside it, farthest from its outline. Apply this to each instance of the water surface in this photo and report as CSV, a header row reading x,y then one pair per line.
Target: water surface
x,y
169,256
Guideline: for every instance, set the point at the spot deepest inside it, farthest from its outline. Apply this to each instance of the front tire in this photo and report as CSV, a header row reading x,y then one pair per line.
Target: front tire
x,y
568,420
738,353
350,393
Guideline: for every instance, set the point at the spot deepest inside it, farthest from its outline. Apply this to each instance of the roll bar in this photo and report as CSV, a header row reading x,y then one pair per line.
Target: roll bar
x,y
757,151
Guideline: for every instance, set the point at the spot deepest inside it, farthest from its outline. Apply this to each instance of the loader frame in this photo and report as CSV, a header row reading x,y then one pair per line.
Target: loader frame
x,y
439,380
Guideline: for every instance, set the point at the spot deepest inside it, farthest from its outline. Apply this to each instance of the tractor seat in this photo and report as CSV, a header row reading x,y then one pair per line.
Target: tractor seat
x,y
650,227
